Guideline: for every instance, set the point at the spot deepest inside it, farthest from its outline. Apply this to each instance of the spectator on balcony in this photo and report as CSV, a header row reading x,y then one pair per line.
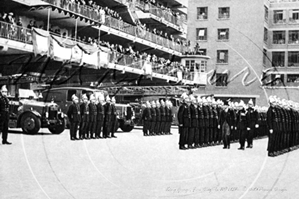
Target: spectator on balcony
x,y
57,31
102,15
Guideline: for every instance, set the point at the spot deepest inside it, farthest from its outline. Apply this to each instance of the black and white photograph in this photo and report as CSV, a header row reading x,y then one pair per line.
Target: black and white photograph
x,y
149,99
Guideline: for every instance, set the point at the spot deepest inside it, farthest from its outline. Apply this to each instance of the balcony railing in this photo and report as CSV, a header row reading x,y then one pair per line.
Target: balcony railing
x,y
120,25
16,33
24,35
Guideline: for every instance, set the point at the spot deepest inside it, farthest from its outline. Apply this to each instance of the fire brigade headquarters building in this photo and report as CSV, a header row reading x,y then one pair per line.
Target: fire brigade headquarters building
x,y
246,49
253,46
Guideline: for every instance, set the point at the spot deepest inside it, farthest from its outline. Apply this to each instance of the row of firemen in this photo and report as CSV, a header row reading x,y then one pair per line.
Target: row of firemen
x,y
95,117
283,125
205,122
157,118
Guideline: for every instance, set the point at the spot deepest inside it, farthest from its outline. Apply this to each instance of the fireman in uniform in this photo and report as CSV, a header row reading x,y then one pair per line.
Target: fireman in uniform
x,y
84,112
114,117
169,116
193,131
224,123
107,118
74,117
146,117
100,116
4,114
200,128
242,124
206,114
184,120
252,123
158,118
163,116
153,118
93,117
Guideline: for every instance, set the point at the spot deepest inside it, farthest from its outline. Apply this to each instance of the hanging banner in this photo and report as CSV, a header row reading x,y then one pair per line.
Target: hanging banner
x,y
104,54
58,52
91,60
76,55
40,40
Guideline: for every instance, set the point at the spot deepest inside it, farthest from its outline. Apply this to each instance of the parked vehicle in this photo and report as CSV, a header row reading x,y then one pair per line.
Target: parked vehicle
x,y
63,97
31,115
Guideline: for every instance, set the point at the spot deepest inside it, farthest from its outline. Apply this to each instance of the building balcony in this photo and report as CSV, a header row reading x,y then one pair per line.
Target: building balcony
x,y
119,25
14,37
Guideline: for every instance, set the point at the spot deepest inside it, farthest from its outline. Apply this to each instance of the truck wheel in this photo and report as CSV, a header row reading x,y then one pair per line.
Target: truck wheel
x,y
58,129
126,127
30,123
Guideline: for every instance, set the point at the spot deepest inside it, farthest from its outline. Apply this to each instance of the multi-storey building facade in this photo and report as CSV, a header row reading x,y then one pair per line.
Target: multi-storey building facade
x,y
253,47
115,42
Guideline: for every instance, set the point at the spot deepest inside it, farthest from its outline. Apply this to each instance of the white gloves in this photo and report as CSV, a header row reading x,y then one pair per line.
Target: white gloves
x,y
219,126
271,131
256,125
235,128
248,129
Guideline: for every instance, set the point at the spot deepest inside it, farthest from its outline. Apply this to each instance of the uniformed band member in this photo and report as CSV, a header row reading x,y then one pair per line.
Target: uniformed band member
x,y
252,119
163,117
4,114
74,117
114,118
84,112
169,117
146,117
158,119
283,125
194,122
108,118
184,120
242,124
153,118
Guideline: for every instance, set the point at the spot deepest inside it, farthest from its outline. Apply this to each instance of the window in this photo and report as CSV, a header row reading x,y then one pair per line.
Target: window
x,y
203,66
222,56
224,13
201,34
202,13
277,79
221,79
292,80
278,59
278,16
190,64
70,93
202,51
279,37
265,35
266,13
293,59
294,37
223,34
294,16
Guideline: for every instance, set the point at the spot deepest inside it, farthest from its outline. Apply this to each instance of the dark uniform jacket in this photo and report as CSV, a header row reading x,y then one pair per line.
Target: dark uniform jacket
x,y
113,113
93,112
225,117
215,117
84,112
272,118
158,114
252,117
74,113
184,115
153,114
146,116
169,114
200,117
206,113
242,119
194,116
100,112
107,113
163,114
4,108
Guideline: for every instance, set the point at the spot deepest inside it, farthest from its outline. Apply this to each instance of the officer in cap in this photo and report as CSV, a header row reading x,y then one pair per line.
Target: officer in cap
x,y
74,117
146,117
252,123
272,123
4,114
84,112
184,120
193,132
206,113
100,116
93,117
199,141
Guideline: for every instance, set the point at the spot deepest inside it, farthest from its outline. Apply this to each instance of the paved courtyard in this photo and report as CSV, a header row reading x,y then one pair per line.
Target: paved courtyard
x,y
137,167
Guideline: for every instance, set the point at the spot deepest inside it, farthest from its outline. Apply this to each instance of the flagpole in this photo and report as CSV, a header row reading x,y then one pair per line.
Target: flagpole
x,y
48,21
76,29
